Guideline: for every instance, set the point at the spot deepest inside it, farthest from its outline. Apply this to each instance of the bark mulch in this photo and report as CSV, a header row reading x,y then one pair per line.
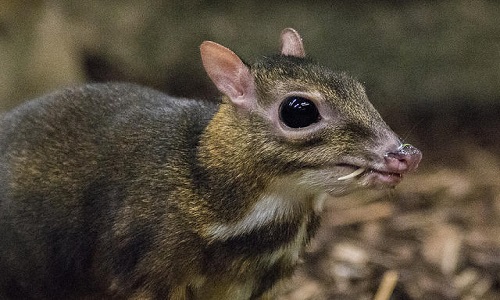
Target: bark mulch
x,y
436,236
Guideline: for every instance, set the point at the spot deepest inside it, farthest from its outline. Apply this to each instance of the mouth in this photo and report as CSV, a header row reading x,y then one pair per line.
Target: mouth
x,y
371,176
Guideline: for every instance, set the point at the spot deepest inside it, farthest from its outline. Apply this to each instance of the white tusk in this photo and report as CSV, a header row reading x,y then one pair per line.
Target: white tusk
x,y
353,174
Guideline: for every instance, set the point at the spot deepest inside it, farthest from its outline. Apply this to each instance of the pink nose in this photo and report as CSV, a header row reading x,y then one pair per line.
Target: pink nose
x,y
405,159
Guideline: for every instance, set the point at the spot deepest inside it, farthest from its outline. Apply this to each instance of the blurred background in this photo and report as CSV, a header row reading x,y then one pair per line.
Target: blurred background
x,y
432,68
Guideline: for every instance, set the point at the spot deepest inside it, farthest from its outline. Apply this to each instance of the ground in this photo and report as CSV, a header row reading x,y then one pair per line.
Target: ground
x,y
436,236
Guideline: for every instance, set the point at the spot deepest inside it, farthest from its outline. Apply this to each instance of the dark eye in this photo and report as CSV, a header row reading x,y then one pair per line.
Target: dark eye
x,y
298,112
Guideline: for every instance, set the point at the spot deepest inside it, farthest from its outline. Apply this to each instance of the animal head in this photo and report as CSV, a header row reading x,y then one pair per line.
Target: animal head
x,y
307,122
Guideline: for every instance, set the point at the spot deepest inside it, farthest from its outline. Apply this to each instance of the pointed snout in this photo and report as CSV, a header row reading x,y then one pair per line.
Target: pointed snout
x,y
405,159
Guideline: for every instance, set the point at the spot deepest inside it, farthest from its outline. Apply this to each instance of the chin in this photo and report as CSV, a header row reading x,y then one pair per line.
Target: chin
x,y
379,181
344,190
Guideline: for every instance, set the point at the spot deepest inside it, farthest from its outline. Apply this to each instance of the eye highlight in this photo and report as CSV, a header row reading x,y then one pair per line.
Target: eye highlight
x,y
298,112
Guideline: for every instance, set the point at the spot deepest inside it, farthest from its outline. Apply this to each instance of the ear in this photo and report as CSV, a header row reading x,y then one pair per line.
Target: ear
x,y
226,70
291,43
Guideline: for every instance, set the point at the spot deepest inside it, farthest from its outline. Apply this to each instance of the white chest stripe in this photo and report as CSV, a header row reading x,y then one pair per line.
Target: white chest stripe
x,y
284,199
268,209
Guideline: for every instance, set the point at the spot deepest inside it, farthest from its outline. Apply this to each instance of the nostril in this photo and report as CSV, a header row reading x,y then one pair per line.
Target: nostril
x,y
396,162
396,155
405,159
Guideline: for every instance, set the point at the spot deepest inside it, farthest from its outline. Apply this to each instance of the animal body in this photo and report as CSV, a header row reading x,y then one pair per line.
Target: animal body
x,y
116,191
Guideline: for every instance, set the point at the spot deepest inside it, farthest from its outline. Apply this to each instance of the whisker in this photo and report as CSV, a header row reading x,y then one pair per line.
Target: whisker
x,y
411,130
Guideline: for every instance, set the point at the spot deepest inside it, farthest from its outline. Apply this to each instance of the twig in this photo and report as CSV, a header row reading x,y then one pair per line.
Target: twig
x,y
387,285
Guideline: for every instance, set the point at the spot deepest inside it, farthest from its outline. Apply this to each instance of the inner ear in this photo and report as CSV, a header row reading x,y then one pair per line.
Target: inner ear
x,y
228,72
291,43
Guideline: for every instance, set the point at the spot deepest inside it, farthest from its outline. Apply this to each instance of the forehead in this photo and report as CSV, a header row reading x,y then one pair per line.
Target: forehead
x,y
284,74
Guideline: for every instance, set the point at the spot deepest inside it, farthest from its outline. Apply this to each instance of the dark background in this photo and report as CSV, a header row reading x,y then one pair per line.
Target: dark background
x,y
432,68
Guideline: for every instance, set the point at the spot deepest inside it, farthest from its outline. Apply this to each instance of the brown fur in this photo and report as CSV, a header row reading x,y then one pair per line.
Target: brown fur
x,y
117,191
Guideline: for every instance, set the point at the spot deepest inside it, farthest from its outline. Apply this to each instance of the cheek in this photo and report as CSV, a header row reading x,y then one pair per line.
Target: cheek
x,y
326,181
354,139
357,131
346,145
